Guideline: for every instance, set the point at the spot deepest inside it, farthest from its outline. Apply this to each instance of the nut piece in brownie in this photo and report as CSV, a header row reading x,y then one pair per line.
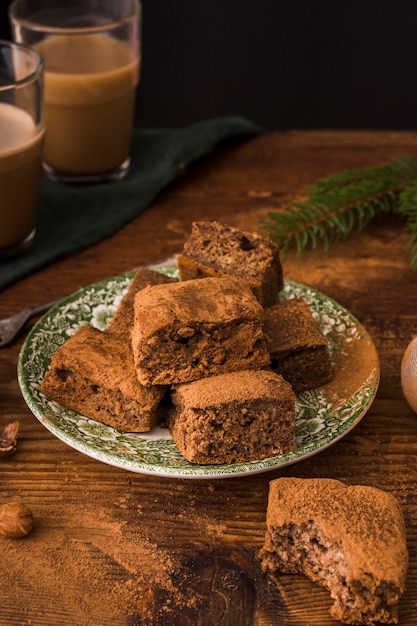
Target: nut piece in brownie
x,y
195,328
122,322
299,351
236,417
349,539
215,249
93,373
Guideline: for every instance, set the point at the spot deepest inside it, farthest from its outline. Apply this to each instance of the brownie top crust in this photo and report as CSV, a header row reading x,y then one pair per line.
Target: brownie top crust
x,y
366,522
226,248
290,325
200,300
238,386
102,358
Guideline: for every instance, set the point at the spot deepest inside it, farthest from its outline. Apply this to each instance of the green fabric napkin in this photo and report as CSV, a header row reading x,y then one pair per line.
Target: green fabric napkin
x,y
73,218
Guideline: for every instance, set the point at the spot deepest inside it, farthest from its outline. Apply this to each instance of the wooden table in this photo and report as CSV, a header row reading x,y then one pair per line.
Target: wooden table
x,y
120,548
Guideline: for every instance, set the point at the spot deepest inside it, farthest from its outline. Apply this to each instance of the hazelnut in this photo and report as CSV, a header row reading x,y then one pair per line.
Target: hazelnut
x,y
16,520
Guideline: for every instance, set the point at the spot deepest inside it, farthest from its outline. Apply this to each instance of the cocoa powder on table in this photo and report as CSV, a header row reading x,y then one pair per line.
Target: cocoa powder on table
x,y
94,568
99,578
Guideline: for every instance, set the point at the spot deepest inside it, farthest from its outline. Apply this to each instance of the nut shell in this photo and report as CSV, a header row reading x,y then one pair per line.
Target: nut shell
x,y
409,373
16,520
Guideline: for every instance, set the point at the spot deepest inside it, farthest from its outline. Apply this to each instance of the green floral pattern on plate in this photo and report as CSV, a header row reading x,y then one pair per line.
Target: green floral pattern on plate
x,y
323,415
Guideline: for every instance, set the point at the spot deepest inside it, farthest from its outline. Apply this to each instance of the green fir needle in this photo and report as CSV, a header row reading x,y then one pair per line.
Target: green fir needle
x,y
344,203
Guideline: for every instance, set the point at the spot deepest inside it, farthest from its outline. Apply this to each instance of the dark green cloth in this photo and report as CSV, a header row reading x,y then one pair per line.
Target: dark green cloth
x,y
73,218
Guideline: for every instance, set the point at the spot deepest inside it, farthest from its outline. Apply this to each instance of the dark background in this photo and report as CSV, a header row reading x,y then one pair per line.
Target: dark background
x,y
281,63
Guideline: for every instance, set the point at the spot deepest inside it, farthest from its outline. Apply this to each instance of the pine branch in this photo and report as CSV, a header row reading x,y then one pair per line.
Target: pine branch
x,y
395,170
343,203
407,207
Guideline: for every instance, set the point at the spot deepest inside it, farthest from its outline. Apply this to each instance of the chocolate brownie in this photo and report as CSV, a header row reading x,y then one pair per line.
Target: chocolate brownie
x,y
235,417
299,351
349,539
93,373
196,328
215,249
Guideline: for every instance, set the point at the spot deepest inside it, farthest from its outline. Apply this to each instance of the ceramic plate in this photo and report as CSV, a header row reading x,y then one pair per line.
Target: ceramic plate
x,y
323,416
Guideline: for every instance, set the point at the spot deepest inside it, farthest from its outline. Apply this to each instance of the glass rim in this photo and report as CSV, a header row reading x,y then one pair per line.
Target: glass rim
x,y
32,75
73,30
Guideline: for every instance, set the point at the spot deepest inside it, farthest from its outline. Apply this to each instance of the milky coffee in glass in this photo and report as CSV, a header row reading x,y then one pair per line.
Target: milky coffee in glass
x,y
21,138
91,52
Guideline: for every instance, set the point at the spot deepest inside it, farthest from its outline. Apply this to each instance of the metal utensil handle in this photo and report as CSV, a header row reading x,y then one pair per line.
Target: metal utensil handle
x,y
42,308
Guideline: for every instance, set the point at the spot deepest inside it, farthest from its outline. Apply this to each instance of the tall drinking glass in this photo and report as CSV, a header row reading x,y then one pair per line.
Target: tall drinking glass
x,y
91,51
21,135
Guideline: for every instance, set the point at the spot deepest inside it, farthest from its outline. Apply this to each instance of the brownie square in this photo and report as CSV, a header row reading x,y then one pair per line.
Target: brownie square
x,y
240,416
215,249
299,351
350,539
197,328
93,373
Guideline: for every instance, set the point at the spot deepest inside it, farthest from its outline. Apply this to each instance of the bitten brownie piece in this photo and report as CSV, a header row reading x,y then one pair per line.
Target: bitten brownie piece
x,y
93,373
349,539
299,351
215,249
122,322
187,330
236,417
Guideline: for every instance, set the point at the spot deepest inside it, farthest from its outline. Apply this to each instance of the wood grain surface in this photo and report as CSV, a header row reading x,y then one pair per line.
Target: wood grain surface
x,y
119,548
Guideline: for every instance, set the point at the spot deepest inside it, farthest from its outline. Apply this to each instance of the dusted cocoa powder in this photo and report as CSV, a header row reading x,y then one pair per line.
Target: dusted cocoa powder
x,y
93,575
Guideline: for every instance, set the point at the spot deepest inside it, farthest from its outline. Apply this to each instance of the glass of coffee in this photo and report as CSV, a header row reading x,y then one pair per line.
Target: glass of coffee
x,y
21,137
91,52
